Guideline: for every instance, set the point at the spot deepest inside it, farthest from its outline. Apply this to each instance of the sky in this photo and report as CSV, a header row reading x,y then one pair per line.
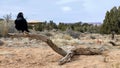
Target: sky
x,y
67,11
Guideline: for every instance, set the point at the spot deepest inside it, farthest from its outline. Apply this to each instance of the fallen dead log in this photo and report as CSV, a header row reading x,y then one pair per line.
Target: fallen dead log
x,y
114,43
67,56
43,38
81,51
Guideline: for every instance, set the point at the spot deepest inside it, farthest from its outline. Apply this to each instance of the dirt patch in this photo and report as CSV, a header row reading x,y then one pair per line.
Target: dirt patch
x,y
27,53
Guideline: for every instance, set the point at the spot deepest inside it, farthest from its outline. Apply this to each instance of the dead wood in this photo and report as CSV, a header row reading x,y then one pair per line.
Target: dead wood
x,y
89,51
44,39
67,56
81,51
114,43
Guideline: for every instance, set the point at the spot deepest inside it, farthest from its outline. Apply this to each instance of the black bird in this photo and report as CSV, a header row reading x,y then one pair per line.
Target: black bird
x,y
21,23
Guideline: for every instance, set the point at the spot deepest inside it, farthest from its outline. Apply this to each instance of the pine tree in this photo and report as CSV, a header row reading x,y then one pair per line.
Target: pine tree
x,y
111,21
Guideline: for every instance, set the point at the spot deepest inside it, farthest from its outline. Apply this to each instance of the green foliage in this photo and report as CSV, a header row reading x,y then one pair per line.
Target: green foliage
x,y
78,26
46,26
62,26
111,21
41,26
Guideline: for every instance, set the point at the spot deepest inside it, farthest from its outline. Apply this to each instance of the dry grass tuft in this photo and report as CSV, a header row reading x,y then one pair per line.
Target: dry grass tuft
x,y
5,28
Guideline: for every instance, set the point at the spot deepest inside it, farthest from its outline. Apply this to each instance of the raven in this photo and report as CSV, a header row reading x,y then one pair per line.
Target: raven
x,y
21,23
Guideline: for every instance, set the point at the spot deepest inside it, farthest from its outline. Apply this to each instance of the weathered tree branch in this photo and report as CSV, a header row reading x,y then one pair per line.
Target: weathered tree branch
x,y
66,55
114,43
55,48
67,58
44,39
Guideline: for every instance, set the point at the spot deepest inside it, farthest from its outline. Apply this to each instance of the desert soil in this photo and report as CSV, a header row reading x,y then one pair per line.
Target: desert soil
x,y
19,53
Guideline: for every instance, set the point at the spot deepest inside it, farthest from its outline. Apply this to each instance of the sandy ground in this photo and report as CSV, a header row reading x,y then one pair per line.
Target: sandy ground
x,y
24,55
47,58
